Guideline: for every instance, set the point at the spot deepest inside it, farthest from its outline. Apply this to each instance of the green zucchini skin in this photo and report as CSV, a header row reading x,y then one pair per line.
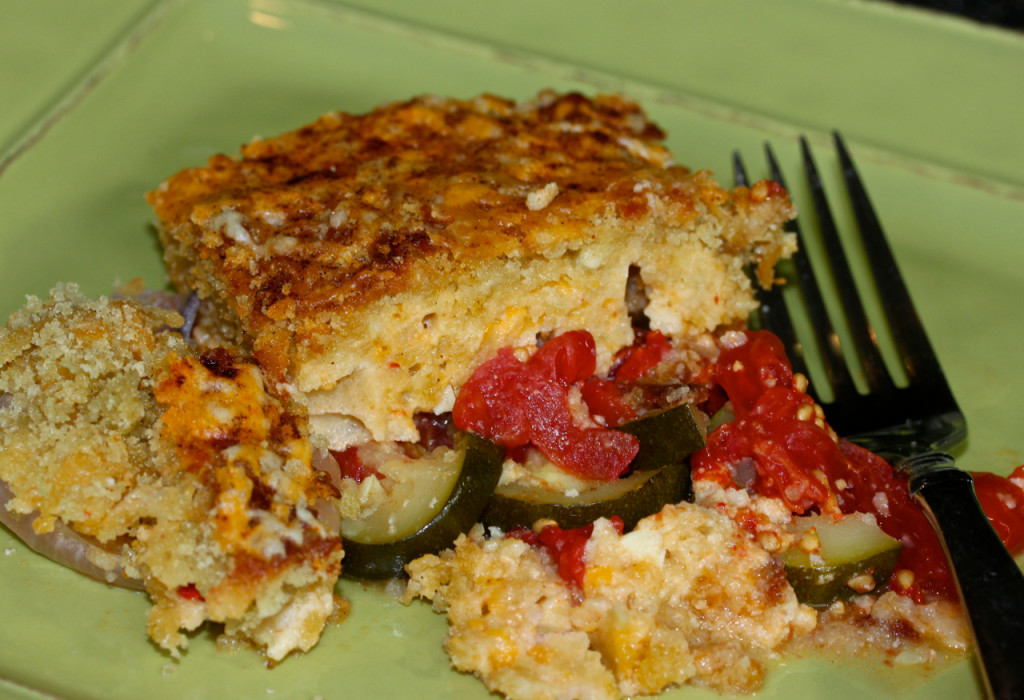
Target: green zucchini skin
x,y
849,548
631,498
659,474
667,436
480,470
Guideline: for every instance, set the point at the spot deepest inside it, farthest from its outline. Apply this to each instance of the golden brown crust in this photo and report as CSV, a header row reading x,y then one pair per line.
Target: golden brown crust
x,y
432,202
350,208
191,476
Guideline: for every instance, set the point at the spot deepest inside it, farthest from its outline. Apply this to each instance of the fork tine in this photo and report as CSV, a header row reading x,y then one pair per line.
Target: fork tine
x,y
909,337
772,313
739,171
826,339
865,340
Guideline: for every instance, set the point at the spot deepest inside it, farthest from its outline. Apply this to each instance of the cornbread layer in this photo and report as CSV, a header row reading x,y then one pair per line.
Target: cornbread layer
x,y
373,261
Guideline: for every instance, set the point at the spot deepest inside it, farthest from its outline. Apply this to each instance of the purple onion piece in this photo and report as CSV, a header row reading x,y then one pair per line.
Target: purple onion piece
x,y
66,547
187,306
744,472
190,311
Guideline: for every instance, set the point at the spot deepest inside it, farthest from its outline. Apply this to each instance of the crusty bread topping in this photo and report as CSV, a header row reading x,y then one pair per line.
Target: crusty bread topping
x,y
373,261
180,466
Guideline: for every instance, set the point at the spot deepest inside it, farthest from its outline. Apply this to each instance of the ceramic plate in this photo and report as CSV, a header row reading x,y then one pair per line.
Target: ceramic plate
x,y
195,78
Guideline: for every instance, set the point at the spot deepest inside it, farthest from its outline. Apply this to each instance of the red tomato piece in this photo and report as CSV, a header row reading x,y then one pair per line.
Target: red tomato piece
x,y
641,359
785,455
567,358
591,453
1003,503
604,398
746,371
780,403
566,547
190,592
514,403
482,408
351,466
790,461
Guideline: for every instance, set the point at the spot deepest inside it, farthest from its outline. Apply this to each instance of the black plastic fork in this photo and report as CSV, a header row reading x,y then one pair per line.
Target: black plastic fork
x,y
913,423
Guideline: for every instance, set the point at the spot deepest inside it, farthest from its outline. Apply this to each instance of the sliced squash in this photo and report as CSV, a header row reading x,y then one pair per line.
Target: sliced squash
x,y
667,436
838,559
659,474
631,498
423,515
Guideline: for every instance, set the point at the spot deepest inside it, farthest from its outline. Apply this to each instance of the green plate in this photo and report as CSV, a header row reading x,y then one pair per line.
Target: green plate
x,y
930,106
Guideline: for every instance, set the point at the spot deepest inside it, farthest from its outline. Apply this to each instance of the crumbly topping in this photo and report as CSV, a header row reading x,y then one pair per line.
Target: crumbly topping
x,y
195,480
686,597
344,247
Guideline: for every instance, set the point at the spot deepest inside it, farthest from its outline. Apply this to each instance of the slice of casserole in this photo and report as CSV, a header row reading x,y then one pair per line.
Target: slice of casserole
x,y
372,262
166,467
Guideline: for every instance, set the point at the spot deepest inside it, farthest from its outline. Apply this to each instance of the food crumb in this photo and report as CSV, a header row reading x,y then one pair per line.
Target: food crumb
x,y
395,588
10,550
540,198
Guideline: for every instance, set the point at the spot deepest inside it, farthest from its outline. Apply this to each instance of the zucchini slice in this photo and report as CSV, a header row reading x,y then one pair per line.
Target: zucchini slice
x,y
854,557
722,416
425,517
667,436
659,474
631,498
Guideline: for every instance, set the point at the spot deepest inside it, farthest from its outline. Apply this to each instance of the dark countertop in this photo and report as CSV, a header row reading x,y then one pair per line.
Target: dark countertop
x,y
1003,13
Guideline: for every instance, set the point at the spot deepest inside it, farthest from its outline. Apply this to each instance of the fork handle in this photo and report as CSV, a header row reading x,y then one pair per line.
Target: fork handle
x,y
991,584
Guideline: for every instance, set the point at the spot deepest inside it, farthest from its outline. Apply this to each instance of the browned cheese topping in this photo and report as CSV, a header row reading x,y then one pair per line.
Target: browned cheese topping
x,y
375,226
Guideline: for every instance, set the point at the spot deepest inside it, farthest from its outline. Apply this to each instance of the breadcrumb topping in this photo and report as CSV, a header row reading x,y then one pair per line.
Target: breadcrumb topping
x,y
374,261
181,467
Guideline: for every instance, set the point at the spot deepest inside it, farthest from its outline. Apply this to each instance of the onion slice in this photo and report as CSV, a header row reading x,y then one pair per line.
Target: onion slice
x,y
190,312
327,511
67,547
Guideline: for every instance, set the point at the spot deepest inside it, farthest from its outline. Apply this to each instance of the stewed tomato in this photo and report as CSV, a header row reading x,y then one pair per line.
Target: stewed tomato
x,y
351,466
604,398
780,446
514,403
566,546
640,359
1002,499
